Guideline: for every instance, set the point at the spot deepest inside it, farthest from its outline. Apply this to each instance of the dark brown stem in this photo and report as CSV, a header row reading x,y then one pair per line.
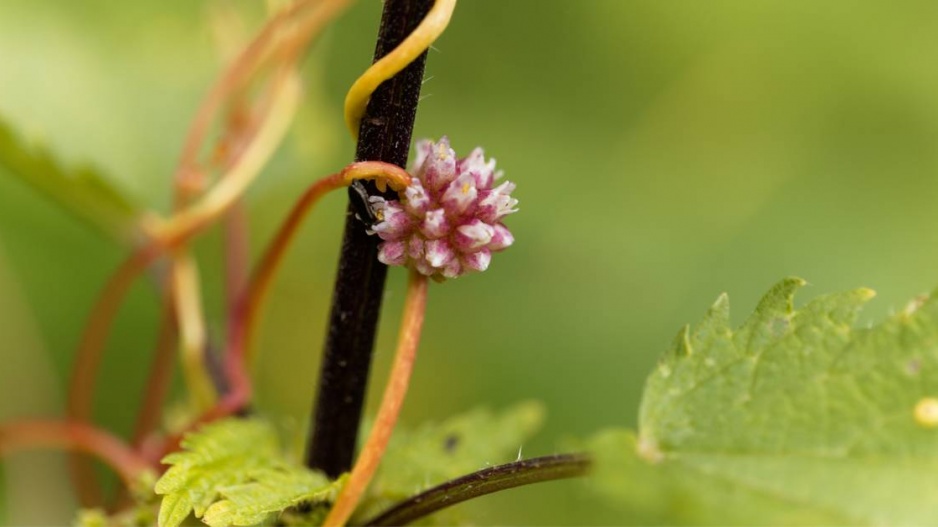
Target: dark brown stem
x,y
385,134
486,481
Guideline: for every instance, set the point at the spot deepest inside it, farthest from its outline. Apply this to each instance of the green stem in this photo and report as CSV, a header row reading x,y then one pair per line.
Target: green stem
x,y
486,481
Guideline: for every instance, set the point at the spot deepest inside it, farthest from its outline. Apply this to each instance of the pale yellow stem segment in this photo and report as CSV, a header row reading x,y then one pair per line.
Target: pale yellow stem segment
x,y
391,403
432,26
220,197
192,332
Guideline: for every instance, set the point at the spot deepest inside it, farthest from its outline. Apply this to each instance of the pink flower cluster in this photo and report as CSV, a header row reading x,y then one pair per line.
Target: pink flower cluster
x,y
448,221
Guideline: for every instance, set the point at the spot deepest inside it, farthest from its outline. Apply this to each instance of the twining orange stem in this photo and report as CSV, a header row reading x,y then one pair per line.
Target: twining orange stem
x,y
237,254
391,403
243,319
280,43
88,361
77,437
194,220
245,313
245,65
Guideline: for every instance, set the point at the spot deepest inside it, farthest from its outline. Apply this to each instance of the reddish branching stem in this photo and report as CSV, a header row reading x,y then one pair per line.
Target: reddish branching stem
x,y
244,317
76,437
237,254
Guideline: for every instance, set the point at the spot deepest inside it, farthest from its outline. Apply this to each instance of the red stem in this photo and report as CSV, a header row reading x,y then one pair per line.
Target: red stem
x,y
77,437
237,254
88,361
243,318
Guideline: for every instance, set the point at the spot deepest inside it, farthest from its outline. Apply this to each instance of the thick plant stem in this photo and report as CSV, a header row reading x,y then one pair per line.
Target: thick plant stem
x,y
384,135
485,481
394,394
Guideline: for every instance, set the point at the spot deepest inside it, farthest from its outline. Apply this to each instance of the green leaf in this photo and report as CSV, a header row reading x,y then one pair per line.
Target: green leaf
x,y
233,473
251,503
435,453
91,518
82,192
795,417
137,515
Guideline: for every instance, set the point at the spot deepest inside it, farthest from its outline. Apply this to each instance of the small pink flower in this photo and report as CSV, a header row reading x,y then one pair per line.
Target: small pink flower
x,y
448,221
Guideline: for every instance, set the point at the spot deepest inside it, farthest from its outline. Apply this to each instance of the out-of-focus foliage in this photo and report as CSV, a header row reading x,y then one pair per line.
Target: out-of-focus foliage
x,y
795,417
83,192
664,153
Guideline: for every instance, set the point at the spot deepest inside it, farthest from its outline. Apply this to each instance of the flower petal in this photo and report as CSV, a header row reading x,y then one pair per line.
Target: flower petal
x,y
501,239
473,235
439,166
497,203
395,222
478,261
392,253
416,199
435,224
460,196
482,171
439,253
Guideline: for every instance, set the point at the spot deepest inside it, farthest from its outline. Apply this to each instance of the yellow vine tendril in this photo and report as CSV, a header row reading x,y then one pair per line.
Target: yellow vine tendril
x,y
217,201
191,321
280,42
391,64
170,236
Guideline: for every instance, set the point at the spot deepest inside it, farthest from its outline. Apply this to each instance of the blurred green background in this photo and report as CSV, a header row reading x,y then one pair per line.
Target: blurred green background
x,y
664,152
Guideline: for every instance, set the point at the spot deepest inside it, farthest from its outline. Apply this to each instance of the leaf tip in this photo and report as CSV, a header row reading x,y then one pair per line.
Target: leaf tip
x,y
780,299
717,317
722,303
682,346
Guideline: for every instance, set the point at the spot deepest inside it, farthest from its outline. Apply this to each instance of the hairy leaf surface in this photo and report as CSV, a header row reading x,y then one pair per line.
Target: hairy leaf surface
x,y
794,417
233,473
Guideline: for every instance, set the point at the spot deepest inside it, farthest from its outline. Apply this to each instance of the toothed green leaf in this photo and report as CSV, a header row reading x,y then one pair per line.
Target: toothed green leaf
x,y
233,473
794,417
83,192
252,503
